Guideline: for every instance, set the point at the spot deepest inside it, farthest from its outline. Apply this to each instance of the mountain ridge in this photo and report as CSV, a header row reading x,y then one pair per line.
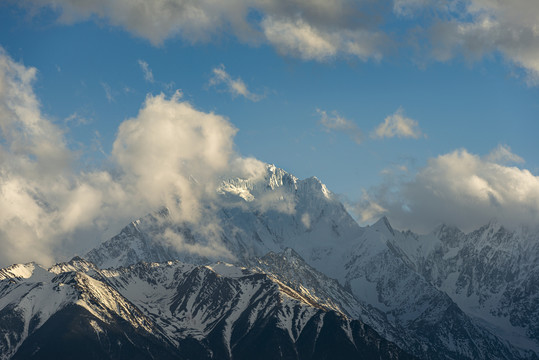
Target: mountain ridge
x,y
175,310
298,235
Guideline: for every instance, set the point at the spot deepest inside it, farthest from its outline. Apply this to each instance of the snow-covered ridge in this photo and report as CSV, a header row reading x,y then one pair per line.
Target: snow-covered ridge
x,y
171,302
33,294
18,271
487,272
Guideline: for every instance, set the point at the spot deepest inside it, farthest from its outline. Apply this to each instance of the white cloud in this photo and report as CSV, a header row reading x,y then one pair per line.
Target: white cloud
x,y
306,220
148,74
458,188
476,28
211,249
50,210
369,210
234,86
169,144
502,155
301,39
319,29
322,30
36,191
397,125
339,123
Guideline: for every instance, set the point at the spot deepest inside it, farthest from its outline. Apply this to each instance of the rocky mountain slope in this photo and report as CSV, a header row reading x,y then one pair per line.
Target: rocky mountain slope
x,y
171,310
491,273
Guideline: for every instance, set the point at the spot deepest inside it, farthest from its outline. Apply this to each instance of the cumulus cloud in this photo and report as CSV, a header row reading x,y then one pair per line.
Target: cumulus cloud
x,y
335,122
397,125
148,74
312,30
457,188
236,87
39,197
170,154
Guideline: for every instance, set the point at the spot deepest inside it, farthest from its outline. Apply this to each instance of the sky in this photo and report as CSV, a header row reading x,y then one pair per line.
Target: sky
x,y
426,112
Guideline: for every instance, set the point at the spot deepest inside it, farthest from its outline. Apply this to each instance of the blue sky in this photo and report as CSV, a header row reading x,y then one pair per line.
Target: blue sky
x,y
308,85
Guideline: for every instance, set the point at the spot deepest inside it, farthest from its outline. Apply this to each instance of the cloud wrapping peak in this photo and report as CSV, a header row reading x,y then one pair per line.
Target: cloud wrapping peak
x,y
234,86
397,125
457,188
170,154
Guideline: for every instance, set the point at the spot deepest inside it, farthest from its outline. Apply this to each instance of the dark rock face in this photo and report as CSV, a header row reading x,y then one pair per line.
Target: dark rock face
x,y
72,333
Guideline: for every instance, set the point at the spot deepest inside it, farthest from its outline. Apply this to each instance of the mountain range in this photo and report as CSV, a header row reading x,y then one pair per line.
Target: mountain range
x,y
279,269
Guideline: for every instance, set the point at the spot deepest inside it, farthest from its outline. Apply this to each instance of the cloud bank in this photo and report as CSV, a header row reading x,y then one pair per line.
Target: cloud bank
x,y
323,30
314,30
170,154
458,188
477,28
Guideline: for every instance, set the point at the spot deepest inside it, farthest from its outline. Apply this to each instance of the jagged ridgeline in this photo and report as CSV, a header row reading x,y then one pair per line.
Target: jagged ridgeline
x,y
301,280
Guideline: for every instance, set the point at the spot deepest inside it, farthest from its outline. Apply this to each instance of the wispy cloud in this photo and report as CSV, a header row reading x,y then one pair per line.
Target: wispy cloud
x,y
148,74
236,87
502,155
335,122
77,119
108,92
397,125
